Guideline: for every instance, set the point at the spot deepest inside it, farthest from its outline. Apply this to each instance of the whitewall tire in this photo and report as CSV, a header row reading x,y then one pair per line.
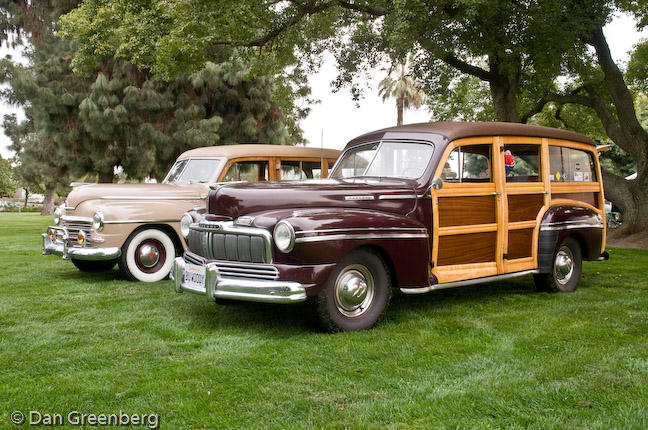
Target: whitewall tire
x,y
147,256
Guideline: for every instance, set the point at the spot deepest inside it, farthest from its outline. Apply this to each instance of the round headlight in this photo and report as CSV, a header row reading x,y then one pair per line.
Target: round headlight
x,y
98,221
284,236
185,223
57,215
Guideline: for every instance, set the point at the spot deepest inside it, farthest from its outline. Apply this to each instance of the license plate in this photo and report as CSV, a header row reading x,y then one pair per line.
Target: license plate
x,y
194,276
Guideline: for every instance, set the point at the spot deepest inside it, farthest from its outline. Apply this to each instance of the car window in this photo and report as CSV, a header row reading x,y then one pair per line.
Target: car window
x,y
355,161
407,160
470,163
299,170
250,171
522,163
571,165
193,170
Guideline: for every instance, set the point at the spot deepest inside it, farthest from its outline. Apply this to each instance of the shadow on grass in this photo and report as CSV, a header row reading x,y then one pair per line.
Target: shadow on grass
x,y
287,320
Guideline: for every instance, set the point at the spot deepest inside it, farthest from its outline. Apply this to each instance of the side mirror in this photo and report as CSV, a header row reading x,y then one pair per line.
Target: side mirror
x,y
437,183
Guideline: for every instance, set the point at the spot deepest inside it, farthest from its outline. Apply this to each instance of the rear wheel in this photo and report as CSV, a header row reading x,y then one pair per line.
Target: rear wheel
x,y
566,270
356,294
147,256
94,266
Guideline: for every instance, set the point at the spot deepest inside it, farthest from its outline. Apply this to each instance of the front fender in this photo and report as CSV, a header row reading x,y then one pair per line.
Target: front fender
x,y
326,235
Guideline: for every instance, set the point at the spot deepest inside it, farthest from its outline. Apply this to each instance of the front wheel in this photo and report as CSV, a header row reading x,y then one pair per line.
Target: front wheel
x,y
356,294
566,270
147,256
94,266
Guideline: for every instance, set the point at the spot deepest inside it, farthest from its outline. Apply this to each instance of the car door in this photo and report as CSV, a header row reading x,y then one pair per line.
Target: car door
x,y
467,241
525,198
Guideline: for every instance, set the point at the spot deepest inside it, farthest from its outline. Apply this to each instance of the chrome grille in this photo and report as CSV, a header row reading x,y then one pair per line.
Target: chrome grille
x,y
75,224
228,269
222,241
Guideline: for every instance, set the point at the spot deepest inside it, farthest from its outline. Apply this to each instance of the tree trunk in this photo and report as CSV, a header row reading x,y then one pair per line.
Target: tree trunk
x,y
48,202
106,177
629,135
631,198
399,110
26,195
504,95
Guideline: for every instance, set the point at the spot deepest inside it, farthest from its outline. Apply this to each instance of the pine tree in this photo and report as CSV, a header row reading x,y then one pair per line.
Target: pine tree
x,y
120,116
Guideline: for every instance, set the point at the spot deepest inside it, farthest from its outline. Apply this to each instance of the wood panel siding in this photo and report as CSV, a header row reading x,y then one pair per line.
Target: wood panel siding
x,y
455,211
467,248
589,198
524,207
520,243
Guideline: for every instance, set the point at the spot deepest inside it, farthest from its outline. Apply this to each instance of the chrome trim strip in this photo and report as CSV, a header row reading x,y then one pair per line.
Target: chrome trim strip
x,y
71,218
397,196
467,282
332,230
139,221
361,236
150,198
239,289
355,198
562,226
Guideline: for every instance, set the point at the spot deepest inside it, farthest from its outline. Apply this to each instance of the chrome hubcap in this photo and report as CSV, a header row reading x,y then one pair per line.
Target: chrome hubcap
x,y
564,265
149,255
354,290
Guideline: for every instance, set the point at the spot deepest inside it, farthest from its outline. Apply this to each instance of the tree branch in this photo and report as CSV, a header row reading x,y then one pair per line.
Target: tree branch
x,y
468,68
364,8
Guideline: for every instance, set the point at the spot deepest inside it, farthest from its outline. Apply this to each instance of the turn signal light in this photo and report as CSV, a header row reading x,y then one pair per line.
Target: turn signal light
x,y
81,238
50,234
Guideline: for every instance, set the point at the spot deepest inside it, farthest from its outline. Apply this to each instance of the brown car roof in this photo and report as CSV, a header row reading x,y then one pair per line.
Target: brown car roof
x,y
457,130
259,150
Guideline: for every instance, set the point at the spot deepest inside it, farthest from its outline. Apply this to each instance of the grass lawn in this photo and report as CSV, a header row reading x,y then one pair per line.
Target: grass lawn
x,y
495,355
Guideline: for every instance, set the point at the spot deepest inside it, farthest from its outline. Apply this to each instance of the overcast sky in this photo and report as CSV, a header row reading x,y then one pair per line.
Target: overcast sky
x,y
340,119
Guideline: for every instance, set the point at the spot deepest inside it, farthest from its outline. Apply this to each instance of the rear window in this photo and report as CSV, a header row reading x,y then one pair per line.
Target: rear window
x,y
571,165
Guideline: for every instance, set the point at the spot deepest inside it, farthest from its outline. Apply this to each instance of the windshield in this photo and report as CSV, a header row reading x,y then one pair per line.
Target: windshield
x,y
193,170
385,159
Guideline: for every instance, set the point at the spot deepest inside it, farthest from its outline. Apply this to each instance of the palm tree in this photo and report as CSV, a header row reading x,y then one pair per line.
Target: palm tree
x,y
404,89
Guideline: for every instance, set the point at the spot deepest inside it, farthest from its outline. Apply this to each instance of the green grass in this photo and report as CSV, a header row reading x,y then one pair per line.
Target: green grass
x,y
496,355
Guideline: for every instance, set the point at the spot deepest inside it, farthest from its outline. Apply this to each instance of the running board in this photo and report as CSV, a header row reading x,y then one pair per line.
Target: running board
x,y
467,282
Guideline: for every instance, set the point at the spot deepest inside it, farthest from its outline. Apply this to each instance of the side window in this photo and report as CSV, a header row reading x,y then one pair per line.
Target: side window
x,y
311,169
251,171
471,163
571,165
290,170
522,163
298,170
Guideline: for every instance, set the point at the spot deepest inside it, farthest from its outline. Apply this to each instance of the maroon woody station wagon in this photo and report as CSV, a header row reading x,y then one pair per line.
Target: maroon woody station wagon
x,y
418,207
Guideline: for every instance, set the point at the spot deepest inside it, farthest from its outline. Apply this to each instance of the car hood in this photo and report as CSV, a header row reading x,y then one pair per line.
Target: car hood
x,y
156,192
389,195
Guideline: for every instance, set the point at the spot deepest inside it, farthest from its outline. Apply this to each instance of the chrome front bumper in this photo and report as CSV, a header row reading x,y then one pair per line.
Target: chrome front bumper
x,y
60,247
253,290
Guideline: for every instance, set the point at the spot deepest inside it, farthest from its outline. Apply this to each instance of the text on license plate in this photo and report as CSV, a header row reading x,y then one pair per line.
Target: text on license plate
x,y
194,275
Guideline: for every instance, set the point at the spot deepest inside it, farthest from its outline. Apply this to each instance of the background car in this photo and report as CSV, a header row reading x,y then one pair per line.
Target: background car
x,y
138,225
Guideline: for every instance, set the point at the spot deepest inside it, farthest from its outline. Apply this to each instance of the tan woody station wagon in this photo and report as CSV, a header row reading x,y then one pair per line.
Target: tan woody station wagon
x,y
419,207
138,225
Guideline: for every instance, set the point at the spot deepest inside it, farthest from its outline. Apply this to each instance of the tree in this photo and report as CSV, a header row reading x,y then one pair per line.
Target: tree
x,y
404,89
119,115
8,184
515,49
